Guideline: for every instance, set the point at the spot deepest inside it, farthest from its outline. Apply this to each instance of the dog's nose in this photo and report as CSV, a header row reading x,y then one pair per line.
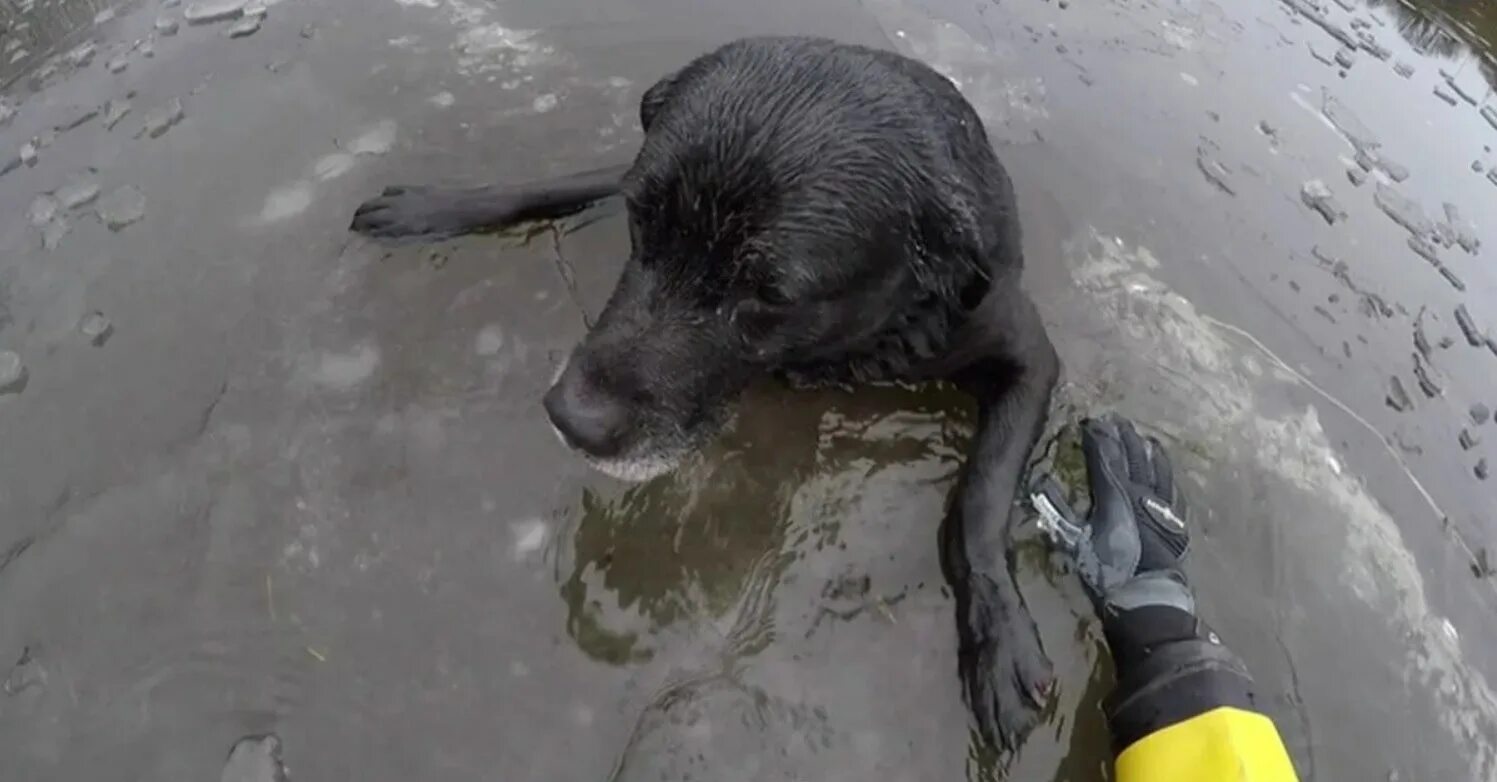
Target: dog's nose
x,y
589,420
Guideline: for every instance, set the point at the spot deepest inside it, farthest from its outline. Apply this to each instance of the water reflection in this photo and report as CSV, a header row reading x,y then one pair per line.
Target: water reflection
x,y
1450,29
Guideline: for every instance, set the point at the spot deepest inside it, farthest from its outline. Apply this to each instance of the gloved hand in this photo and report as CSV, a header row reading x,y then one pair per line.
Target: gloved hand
x,y
1129,548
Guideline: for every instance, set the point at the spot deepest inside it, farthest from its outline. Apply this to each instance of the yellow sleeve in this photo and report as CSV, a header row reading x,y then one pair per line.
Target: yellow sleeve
x,y
1221,745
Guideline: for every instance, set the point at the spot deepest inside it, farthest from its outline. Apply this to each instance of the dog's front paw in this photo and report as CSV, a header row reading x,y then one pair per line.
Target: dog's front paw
x,y
1006,676
408,212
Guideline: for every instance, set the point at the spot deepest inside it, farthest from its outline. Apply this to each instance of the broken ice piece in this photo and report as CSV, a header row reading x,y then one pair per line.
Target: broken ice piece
x,y
1322,56
1468,440
96,328
166,26
1370,45
86,115
1468,326
28,153
1395,171
1374,305
25,674
1403,210
117,65
213,11
255,759
1456,88
1480,413
1444,234
248,25
1319,197
1481,471
121,207
1450,277
1215,173
161,119
1398,398
1403,69
1443,94
114,111
1356,175
1426,383
78,192
53,231
43,208
13,374
1465,232
1344,57
82,55
1490,114
1424,249
256,8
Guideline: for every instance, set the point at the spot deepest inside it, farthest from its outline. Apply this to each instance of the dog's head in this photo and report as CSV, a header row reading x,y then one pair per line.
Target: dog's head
x,y
768,263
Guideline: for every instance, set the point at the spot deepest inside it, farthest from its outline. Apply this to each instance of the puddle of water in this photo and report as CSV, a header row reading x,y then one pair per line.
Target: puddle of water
x,y
682,548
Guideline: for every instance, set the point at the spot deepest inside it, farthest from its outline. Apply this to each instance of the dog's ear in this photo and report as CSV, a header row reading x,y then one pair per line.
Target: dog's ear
x,y
655,98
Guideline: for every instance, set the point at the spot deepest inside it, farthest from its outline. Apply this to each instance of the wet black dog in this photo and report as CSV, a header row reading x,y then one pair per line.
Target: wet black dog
x,y
826,213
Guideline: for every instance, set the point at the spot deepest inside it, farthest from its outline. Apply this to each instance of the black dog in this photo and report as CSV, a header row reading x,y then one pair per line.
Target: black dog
x,y
831,214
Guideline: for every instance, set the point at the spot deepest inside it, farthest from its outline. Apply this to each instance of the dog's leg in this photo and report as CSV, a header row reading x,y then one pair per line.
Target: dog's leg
x,y
1010,365
418,212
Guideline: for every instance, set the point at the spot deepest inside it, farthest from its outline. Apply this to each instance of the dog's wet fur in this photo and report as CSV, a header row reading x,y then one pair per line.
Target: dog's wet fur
x,y
824,213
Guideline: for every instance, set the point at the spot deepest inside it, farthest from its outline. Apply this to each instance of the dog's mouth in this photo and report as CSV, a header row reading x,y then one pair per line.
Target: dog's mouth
x,y
638,469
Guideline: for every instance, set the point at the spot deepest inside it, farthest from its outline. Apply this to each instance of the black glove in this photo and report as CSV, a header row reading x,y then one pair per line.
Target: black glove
x,y
1129,548
1128,551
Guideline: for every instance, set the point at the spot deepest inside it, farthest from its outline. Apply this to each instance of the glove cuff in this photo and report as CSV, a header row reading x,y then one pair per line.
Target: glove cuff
x,y
1152,588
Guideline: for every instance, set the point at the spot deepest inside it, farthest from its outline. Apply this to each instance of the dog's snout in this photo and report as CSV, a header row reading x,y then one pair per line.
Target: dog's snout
x,y
588,418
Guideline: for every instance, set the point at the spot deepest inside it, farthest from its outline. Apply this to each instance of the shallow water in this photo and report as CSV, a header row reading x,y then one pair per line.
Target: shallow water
x,y
304,486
